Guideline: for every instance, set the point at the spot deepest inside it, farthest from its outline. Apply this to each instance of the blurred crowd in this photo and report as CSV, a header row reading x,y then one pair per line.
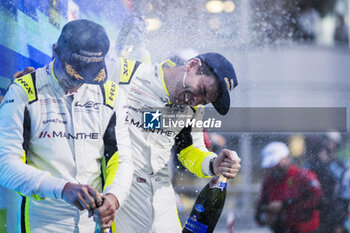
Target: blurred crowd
x,y
308,193
320,21
312,196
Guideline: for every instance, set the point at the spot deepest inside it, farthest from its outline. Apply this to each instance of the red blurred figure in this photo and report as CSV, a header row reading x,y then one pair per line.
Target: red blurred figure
x,y
290,195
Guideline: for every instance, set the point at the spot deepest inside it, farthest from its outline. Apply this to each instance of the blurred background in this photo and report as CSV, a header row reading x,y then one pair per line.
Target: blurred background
x,y
287,53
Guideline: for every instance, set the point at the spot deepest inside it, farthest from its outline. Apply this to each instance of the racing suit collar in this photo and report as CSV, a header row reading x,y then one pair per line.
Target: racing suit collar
x,y
161,74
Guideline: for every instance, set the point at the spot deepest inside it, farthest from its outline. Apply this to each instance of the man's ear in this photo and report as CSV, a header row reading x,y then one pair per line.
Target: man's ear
x,y
193,63
54,49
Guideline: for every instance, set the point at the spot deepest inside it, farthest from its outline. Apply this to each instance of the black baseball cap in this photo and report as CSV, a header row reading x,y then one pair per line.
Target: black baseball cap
x,y
226,76
82,47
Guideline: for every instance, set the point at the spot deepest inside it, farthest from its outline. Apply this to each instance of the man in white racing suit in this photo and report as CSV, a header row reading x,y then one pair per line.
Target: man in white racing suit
x,y
207,78
59,130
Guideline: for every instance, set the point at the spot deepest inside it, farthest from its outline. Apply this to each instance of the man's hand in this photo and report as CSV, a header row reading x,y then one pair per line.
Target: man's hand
x,y
227,163
19,74
81,196
105,214
268,214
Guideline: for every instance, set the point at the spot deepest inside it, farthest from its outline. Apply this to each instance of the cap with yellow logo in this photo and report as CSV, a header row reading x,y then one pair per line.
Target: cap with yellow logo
x,y
82,47
226,77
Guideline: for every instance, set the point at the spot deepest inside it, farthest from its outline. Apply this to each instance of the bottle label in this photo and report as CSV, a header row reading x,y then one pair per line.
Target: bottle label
x,y
194,226
199,208
100,230
216,183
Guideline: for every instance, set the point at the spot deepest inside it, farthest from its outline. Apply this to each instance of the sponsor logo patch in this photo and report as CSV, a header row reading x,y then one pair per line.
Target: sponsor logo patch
x,y
101,76
27,87
59,121
194,226
227,84
199,208
216,183
140,180
9,101
72,72
112,92
51,101
60,134
88,106
88,57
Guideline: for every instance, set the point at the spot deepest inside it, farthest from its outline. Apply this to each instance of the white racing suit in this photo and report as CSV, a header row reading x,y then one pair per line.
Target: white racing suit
x,y
49,137
151,205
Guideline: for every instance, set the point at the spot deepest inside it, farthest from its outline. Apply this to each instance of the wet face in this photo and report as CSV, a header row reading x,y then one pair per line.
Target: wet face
x,y
68,84
197,88
279,171
276,172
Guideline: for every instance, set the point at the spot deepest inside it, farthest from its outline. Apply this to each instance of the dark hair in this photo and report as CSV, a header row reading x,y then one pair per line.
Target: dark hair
x,y
205,70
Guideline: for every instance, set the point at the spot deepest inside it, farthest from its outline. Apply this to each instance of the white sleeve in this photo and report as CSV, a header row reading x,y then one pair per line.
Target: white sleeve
x,y
14,173
123,177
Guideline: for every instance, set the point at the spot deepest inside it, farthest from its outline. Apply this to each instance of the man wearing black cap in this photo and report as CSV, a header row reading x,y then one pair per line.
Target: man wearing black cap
x,y
180,91
60,127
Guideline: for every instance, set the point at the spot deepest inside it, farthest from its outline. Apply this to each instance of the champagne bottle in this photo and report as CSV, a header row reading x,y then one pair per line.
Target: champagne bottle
x,y
208,207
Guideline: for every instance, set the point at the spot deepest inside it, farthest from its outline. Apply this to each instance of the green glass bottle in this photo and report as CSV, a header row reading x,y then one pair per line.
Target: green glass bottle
x,y
208,207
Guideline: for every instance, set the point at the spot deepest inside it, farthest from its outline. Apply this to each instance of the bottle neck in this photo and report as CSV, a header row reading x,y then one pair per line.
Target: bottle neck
x,y
222,178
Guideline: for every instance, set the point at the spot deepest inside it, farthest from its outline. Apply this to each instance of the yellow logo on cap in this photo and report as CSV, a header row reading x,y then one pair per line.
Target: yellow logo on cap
x,y
100,76
227,84
72,72
232,83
